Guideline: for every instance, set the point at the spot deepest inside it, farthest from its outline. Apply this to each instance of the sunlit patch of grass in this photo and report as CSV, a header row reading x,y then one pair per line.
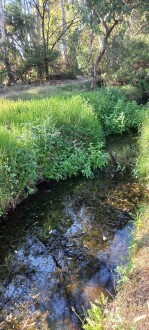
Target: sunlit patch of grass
x,y
53,88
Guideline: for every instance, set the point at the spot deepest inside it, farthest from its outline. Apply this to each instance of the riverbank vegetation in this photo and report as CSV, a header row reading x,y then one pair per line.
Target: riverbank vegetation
x,y
52,139
60,136
130,308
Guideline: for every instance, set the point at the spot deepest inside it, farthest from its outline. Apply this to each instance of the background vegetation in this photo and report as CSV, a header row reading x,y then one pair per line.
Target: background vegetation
x,y
42,40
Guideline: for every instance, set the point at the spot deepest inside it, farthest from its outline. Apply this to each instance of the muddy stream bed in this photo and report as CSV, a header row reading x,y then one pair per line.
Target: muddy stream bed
x,y
61,247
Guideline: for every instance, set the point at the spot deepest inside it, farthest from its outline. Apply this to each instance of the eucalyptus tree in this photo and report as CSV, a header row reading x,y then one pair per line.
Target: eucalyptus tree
x,y
104,17
33,34
54,24
64,29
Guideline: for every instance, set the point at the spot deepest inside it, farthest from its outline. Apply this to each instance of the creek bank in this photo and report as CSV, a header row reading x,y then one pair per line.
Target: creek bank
x,y
130,309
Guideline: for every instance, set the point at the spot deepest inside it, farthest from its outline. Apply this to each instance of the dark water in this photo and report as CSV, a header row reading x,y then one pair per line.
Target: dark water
x,y
61,247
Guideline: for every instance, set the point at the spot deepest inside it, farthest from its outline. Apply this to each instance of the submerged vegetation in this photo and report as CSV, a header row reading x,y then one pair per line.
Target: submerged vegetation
x,y
59,136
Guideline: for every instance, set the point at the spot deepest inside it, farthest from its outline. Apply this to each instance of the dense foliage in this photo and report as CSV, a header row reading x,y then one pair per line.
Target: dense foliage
x,y
114,111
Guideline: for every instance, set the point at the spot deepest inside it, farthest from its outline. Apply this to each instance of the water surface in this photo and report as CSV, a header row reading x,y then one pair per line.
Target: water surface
x,y
61,247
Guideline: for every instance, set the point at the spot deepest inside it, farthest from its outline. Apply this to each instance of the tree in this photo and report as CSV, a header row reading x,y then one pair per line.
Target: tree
x,y
53,28
64,29
4,44
103,17
2,22
33,35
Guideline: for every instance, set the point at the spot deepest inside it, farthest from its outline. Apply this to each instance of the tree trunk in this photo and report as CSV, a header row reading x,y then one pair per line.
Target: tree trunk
x,y
64,28
4,47
39,71
2,22
46,68
11,77
96,73
103,45
38,32
38,23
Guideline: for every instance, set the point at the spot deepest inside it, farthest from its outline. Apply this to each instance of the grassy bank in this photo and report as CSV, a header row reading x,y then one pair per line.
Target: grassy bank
x,y
130,308
53,138
58,136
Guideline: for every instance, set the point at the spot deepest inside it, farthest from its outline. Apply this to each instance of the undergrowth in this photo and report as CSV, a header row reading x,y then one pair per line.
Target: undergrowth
x,y
114,111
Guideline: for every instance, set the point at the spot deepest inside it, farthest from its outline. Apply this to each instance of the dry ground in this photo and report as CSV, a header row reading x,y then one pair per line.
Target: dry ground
x,y
44,89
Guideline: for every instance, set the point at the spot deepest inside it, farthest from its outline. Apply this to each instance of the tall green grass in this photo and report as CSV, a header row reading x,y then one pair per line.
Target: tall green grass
x,y
143,159
59,136
51,138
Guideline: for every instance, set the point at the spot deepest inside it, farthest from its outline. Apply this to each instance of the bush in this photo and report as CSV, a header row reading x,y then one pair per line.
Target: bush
x,y
114,111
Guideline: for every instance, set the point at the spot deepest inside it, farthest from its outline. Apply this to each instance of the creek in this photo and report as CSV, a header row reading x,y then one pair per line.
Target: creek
x,y
61,247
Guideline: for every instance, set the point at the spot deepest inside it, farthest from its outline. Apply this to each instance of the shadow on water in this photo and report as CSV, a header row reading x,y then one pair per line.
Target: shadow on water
x,y
61,247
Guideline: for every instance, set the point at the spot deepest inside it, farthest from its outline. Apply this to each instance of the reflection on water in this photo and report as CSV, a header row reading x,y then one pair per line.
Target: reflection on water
x,y
61,248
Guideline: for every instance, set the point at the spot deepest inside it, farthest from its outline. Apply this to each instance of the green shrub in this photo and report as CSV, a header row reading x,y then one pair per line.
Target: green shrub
x,y
94,320
114,111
